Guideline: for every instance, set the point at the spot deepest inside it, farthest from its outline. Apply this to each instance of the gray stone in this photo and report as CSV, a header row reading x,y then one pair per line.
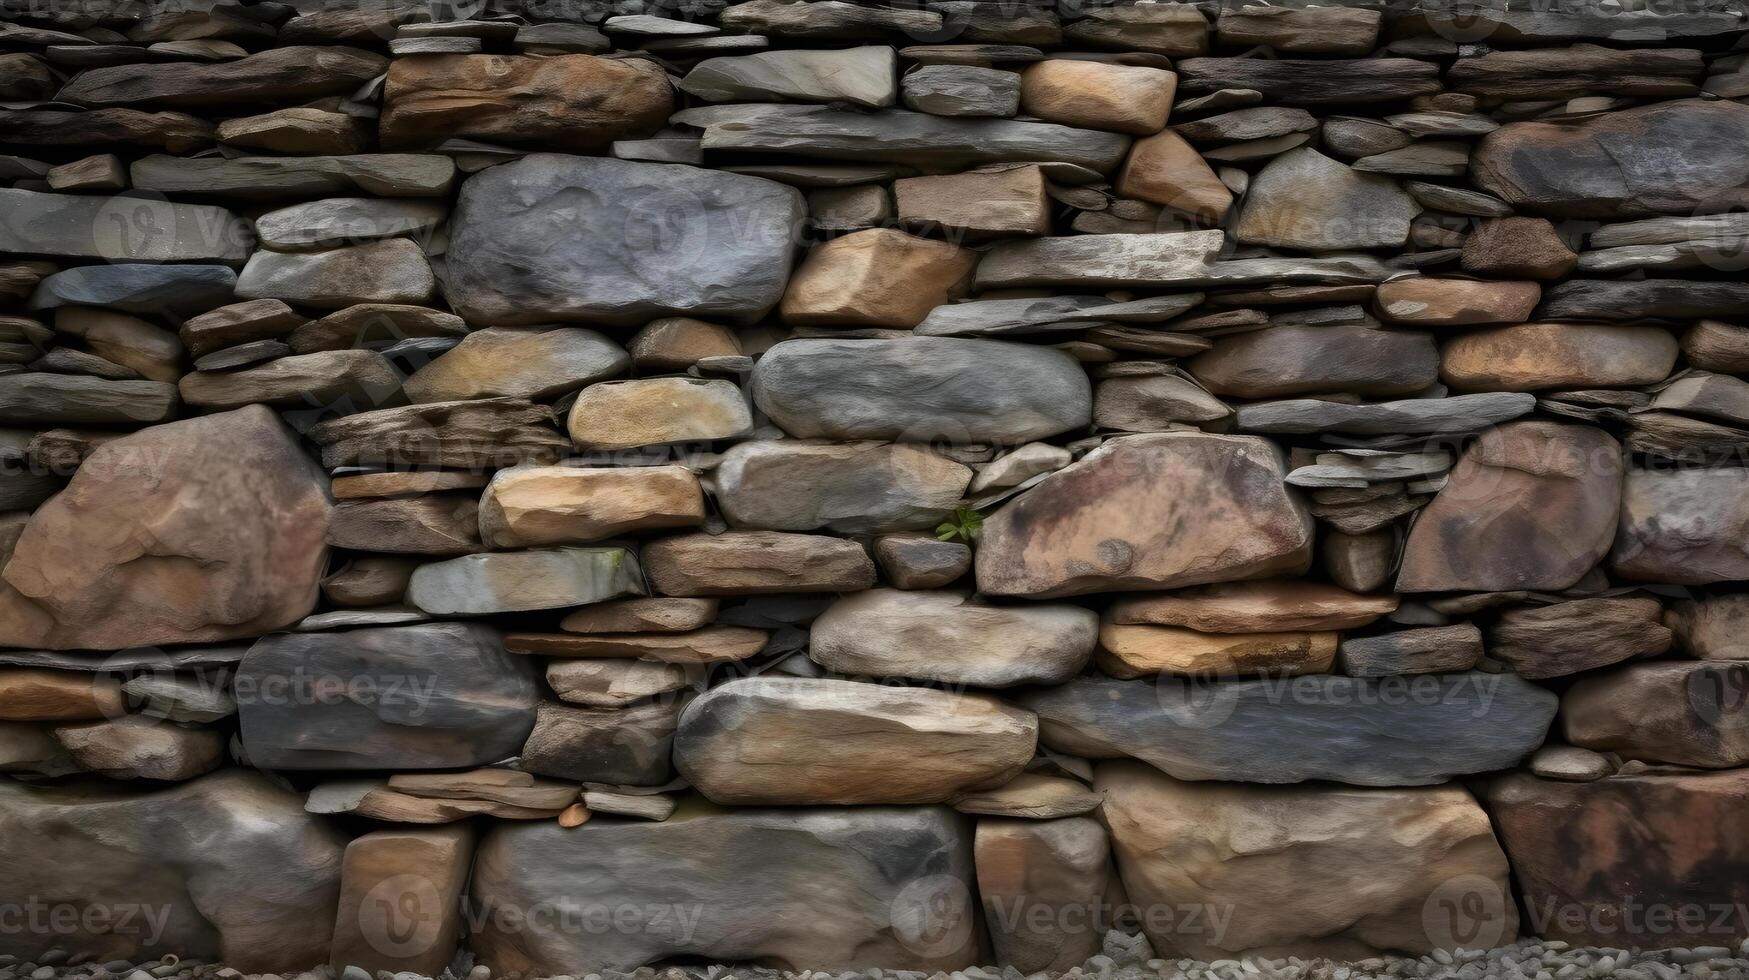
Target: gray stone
x,y
850,488
1411,731
932,143
1043,314
863,76
283,75
390,271
182,697
428,696
920,389
176,851
347,221
382,174
546,237
962,90
514,581
1683,526
243,355
1569,637
823,888
1305,200
33,398
1639,299
119,229
1431,650
946,638
1164,260
485,432
919,561
1458,413
176,290
1311,82
827,19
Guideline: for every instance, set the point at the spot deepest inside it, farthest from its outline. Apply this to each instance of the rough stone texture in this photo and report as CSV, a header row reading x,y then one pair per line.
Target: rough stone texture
x,y
1049,871
784,740
1099,525
1294,360
119,229
1683,526
569,102
428,696
541,505
877,278
1537,356
229,544
1147,651
417,874
657,411
1570,637
517,363
943,637
865,76
1274,857
852,488
518,581
1288,730
750,562
840,888
1305,200
573,213
1685,713
1245,607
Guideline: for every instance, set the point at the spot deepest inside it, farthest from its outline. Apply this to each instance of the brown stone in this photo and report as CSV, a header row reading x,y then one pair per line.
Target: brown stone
x,y
150,351
706,645
1096,95
1684,526
750,562
435,524
977,205
629,745
1034,796
1430,650
1251,607
1714,346
1166,170
400,900
302,131
1569,637
228,544
239,323
278,75
531,506
29,694
374,325
876,278
792,740
1428,302
1145,651
1309,30
1517,248
678,342
1042,883
1531,505
919,561
613,683
536,364
369,581
404,483
466,434
1680,712
1284,361
570,102
1712,627
1101,524
1306,870
138,747
1578,71
1536,356
1593,858
641,615
173,132
102,173
340,378
1360,562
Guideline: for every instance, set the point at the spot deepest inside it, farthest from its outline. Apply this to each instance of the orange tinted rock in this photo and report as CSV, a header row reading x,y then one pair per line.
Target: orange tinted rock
x,y
876,278
1426,301
1096,95
1168,171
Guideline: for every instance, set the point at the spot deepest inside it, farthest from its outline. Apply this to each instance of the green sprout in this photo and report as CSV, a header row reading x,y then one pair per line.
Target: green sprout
x,y
964,525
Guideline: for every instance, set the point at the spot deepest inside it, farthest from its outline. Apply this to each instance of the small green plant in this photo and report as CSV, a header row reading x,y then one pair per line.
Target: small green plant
x,y
964,525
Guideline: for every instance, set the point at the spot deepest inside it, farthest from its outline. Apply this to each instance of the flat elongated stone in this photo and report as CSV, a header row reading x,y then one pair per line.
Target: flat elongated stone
x,y
613,683
1216,845
1459,413
944,637
1569,637
567,102
1683,526
657,411
742,742
514,581
1315,30
347,221
465,434
1666,158
1100,524
1292,729
1305,200
651,615
177,290
1534,505
1680,299
1533,356
865,76
296,130
138,747
429,696
1311,82
933,143
977,205
512,261
1247,607
430,524
1184,259
708,645
382,174
1427,301
177,851
829,19
962,90
278,75
541,505
339,377
119,229
1294,360
1431,649
918,389
1682,712
1123,98
230,544
172,132
394,270
1148,651
374,326
751,562
37,398
1581,70
533,364
238,324
628,745
853,488
868,883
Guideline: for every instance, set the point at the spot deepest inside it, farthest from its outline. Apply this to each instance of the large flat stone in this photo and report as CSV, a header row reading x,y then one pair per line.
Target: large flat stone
x,y
428,696
865,76
119,229
1286,81
1101,524
822,888
793,740
921,389
38,398
1401,731
850,488
541,505
469,434
1460,413
567,102
228,543
176,290
382,174
1297,360
1537,356
283,76
552,237
536,364
751,562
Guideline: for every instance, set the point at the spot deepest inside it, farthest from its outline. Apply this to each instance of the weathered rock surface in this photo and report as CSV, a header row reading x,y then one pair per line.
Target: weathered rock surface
x,y
119,229
1430,650
1249,607
541,505
786,740
1287,730
1295,360
1433,302
1100,525
427,696
1684,713
339,379
865,76
418,874
1459,413
920,389
1683,526
750,562
1035,877
1122,98
138,747
1536,356
384,174
853,488
944,637
535,364
176,851
1311,82
28,694
568,102
38,398
531,241
657,411
878,278
628,745
468,434
868,886
1570,637
1305,200
517,581
1221,846
278,75
229,544
347,221
394,270
1711,627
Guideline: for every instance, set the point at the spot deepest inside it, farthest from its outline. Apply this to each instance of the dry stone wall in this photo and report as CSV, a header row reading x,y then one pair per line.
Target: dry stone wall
x,y
560,487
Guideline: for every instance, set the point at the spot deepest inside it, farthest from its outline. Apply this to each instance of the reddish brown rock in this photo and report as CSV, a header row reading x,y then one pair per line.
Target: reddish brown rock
x,y
195,531
1681,712
1428,302
750,562
1096,95
400,899
30,694
1168,171
1247,607
1517,248
1284,361
1531,505
1584,634
1715,346
1537,356
876,278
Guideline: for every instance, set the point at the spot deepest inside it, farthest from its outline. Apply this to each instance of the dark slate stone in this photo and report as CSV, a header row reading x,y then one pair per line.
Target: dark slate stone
x,y
176,290
129,229
1402,731
1311,82
556,237
1675,299
431,696
1459,413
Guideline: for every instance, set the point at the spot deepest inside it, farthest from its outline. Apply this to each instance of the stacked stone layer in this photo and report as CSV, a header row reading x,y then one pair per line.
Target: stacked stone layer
x,y
597,484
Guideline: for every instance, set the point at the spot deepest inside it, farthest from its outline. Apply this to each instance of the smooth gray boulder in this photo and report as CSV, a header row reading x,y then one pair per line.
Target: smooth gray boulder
x,y
817,888
228,866
555,237
428,696
176,290
1458,413
865,76
945,637
850,488
918,389
119,229
1395,731
1305,200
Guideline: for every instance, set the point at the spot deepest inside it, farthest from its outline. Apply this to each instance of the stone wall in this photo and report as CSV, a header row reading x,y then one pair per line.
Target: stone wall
x,y
606,483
